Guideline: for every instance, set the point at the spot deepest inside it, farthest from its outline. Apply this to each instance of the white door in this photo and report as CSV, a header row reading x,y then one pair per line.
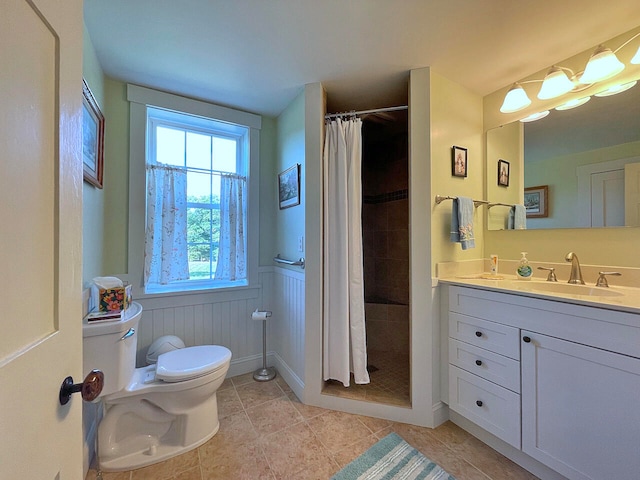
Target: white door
x,y
40,237
607,199
632,195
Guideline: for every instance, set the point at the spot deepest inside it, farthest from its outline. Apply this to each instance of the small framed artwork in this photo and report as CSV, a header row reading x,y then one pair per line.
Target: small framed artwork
x,y
92,138
536,201
289,187
503,173
458,161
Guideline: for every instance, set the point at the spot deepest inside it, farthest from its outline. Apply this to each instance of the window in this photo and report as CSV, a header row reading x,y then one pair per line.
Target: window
x,y
198,227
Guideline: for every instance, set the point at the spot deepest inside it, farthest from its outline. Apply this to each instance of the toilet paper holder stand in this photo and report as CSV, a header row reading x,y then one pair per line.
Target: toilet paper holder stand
x,y
265,373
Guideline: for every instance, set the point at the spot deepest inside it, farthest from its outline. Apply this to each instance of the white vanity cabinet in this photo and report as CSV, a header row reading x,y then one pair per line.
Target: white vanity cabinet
x,y
581,408
557,381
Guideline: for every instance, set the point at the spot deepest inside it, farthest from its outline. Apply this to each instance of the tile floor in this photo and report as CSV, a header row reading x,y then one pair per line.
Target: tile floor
x,y
389,381
266,433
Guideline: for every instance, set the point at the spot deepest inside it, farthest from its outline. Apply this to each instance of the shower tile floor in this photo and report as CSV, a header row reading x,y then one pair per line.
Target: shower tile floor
x,y
389,381
266,433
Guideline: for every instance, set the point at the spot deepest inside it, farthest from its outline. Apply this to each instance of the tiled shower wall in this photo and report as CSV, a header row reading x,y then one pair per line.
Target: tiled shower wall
x,y
385,225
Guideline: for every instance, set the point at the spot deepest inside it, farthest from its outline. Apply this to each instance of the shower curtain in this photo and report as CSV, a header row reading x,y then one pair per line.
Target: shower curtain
x,y
345,348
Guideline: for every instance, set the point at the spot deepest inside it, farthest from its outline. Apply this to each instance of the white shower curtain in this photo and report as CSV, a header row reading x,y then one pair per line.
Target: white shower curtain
x,y
345,343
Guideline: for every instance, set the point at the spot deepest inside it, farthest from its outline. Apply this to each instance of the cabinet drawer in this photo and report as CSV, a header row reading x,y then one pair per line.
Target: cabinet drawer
x,y
491,336
496,368
491,407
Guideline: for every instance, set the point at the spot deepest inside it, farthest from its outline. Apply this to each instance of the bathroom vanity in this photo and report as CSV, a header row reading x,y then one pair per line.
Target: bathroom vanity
x,y
553,374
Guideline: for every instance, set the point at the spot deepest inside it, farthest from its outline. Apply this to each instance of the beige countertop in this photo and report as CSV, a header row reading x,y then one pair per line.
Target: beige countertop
x,y
621,298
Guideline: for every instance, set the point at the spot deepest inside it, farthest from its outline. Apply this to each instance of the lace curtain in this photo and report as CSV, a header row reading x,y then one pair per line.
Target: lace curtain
x,y
165,249
232,244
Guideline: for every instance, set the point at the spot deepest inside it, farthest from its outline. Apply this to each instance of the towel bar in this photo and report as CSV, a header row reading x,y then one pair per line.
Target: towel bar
x,y
440,199
297,263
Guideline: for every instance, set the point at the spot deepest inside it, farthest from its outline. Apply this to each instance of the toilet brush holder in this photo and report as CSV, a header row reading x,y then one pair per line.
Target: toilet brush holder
x,y
265,373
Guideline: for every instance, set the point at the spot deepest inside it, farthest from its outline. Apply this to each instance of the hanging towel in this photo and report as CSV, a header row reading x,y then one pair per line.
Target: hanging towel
x,y
462,222
517,218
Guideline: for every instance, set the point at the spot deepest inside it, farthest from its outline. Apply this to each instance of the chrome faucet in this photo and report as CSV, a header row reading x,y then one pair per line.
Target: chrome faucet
x,y
576,274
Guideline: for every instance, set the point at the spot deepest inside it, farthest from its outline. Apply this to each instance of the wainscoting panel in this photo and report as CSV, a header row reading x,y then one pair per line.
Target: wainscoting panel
x,y
287,331
204,319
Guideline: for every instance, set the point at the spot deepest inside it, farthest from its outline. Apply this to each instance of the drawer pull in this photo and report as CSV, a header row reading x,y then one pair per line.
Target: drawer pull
x,y
479,403
526,339
478,362
478,334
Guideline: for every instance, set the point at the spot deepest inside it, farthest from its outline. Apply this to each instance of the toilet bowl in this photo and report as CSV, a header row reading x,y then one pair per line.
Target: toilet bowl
x,y
154,412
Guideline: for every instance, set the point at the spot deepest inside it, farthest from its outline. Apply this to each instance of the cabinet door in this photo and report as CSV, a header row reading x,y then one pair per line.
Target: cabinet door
x,y
580,408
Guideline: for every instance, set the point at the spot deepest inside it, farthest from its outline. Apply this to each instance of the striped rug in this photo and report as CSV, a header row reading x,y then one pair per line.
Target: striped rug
x,y
392,459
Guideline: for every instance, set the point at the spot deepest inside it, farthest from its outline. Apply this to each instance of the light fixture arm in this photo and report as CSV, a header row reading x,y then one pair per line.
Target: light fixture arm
x,y
627,42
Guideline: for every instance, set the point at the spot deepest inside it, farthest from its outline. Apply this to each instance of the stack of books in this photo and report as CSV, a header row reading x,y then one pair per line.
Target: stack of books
x,y
105,316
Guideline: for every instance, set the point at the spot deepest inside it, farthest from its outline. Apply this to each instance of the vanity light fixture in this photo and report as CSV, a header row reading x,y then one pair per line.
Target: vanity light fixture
x,y
616,89
556,83
516,99
603,64
573,103
535,116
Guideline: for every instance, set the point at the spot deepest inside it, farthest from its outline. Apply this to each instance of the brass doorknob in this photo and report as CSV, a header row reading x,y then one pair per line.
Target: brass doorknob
x,y
89,389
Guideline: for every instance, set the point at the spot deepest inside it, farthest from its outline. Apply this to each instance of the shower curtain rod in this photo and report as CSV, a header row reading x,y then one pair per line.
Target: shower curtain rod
x,y
362,112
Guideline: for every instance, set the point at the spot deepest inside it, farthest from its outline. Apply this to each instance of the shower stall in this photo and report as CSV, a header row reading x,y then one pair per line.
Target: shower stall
x,y
385,232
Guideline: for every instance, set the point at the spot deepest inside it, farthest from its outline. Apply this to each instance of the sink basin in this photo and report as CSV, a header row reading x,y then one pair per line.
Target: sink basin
x,y
565,289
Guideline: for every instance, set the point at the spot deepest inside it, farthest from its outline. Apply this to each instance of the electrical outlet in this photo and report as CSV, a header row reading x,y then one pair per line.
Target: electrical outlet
x,y
301,243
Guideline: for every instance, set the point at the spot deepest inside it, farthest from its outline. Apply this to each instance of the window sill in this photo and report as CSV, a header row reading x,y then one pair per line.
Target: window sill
x,y
227,292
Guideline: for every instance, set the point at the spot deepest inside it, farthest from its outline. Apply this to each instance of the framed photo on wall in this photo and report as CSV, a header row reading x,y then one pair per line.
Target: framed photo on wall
x,y
536,201
92,138
289,187
503,173
458,161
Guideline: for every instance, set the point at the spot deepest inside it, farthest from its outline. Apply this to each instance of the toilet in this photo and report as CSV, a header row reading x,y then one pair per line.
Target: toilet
x,y
154,412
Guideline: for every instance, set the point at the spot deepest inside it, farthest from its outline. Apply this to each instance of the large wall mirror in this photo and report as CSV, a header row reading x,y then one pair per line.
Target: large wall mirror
x,y
586,161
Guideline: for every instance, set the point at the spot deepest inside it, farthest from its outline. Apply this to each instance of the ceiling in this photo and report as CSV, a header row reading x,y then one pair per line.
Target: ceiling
x,y
256,55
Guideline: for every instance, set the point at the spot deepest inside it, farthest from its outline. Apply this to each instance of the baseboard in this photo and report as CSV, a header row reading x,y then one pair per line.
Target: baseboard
x,y
289,376
244,365
440,414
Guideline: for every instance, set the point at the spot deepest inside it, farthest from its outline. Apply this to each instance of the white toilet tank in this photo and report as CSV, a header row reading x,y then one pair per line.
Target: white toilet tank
x,y
111,347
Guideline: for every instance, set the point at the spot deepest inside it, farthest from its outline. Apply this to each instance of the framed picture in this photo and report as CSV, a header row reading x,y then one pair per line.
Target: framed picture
x,y
289,187
503,173
92,138
458,161
536,200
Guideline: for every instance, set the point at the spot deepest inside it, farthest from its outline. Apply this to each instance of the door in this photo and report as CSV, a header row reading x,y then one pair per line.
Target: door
x,y
607,199
580,412
40,237
632,195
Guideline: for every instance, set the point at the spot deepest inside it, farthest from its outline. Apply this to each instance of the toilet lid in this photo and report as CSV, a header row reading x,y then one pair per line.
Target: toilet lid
x,y
191,362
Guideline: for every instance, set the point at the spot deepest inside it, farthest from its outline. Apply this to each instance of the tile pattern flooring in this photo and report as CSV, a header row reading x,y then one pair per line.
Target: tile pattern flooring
x,y
266,433
389,381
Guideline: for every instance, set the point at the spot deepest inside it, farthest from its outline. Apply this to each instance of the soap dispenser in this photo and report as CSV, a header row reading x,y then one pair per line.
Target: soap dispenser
x,y
524,270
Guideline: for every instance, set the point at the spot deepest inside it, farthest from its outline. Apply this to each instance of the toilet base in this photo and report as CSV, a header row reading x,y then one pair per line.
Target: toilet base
x,y
150,455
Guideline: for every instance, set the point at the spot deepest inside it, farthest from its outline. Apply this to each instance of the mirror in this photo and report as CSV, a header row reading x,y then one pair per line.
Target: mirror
x,y
584,156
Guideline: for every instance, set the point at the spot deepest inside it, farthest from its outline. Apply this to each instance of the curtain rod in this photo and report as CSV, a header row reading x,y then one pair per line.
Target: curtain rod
x,y
362,112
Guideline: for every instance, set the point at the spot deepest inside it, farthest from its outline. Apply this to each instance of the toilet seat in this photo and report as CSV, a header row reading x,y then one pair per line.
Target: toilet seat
x,y
191,362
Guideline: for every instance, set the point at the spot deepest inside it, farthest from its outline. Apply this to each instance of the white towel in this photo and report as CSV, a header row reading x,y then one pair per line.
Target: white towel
x,y
517,218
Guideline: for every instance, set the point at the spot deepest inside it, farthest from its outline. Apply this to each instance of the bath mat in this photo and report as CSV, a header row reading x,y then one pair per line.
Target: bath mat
x,y
392,459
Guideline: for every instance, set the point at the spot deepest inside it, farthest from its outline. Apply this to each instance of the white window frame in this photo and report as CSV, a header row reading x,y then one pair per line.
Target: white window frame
x,y
140,99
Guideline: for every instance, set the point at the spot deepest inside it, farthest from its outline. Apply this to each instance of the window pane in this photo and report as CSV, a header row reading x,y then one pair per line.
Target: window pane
x,y
198,150
224,154
200,262
170,147
199,187
199,225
